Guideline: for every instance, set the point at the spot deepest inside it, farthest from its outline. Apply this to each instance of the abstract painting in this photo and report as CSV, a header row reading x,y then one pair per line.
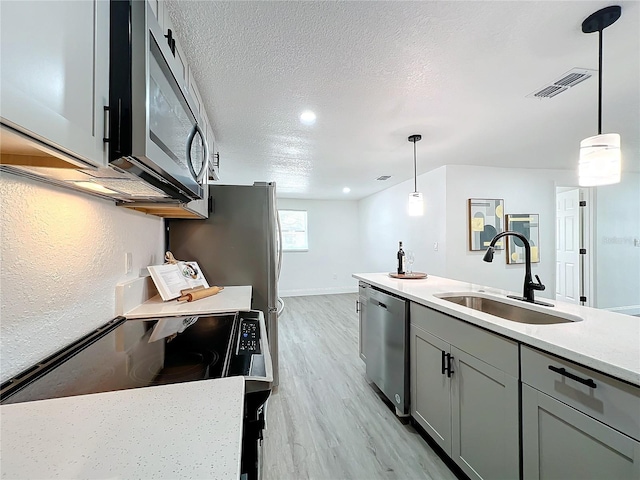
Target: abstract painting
x,y
527,225
486,220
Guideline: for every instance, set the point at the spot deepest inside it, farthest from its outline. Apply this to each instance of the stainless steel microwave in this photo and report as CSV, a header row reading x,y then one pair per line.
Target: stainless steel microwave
x,y
153,131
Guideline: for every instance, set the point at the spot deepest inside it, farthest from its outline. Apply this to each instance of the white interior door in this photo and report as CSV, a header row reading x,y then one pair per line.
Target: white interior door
x,y
568,246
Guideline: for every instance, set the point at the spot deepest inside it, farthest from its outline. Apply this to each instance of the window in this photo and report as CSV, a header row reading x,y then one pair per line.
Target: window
x,y
294,230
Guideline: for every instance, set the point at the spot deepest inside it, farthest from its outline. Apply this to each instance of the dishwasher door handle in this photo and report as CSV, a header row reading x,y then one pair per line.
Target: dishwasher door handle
x,y
380,304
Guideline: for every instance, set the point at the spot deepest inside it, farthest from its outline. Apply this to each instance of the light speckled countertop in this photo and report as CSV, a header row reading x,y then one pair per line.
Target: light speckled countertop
x,y
184,430
231,299
605,341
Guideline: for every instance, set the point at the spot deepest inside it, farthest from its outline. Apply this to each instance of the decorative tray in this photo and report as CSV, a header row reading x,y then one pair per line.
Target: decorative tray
x,y
408,276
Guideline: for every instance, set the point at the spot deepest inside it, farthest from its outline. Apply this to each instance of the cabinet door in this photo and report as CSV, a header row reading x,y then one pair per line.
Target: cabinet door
x,y
55,73
195,95
201,207
485,419
562,443
179,67
430,388
156,8
215,159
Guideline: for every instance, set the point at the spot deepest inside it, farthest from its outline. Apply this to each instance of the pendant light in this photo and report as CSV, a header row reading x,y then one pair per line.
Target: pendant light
x,y
600,159
416,205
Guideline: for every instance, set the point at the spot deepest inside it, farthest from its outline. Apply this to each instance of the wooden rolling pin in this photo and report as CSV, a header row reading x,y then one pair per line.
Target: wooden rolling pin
x,y
191,290
197,294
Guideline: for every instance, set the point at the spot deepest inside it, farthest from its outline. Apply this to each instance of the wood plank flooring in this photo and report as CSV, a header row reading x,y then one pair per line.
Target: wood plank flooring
x,y
325,421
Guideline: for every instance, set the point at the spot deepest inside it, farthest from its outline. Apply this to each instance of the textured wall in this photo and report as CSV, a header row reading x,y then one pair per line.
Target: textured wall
x,y
62,255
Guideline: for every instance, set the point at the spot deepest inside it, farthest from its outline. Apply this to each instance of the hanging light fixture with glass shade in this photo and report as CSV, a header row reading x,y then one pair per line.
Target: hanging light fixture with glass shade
x,y
600,159
416,205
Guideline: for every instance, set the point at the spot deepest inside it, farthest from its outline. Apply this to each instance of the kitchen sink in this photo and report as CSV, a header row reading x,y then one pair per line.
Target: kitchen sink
x,y
508,311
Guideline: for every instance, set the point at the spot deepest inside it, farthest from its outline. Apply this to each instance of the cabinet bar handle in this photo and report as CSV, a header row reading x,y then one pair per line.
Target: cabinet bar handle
x,y
106,128
357,305
563,372
443,357
449,369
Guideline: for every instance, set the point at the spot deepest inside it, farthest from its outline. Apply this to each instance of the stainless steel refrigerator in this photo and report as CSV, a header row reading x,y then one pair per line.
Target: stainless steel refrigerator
x,y
239,244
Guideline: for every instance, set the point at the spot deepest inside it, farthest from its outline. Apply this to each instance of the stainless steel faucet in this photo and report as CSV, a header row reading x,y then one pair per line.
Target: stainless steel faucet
x,y
529,285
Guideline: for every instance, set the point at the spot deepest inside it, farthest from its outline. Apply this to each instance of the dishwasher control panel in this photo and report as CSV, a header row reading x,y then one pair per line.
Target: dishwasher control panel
x,y
249,341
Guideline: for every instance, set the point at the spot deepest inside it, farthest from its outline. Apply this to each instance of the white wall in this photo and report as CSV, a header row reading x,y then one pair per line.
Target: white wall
x,y
617,235
383,222
523,191
333,249
62,255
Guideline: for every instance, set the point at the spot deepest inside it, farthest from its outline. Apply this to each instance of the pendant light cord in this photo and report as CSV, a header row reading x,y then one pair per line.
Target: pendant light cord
x,y
415,170
600,82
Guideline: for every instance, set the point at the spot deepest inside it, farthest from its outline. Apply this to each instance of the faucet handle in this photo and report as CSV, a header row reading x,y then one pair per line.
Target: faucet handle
x,y
539,285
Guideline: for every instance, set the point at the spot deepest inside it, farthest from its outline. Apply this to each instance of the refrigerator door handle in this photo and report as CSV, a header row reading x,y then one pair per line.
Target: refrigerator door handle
x,y
279,227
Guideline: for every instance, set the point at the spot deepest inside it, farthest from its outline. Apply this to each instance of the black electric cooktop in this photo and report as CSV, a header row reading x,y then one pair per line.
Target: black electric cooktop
x,y
129,354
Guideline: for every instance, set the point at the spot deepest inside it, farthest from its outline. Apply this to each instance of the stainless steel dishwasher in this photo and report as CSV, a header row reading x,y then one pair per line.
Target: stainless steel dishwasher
x,y
386,347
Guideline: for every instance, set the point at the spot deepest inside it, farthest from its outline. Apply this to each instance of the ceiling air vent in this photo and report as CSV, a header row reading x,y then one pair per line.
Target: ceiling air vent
x,y
564,83
383,177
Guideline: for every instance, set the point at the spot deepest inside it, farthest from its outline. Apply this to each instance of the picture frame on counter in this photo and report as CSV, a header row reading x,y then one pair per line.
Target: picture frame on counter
x,y
486,220
528,225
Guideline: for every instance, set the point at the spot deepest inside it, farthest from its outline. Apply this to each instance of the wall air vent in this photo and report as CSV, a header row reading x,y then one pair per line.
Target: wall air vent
x,y
383,177
564,83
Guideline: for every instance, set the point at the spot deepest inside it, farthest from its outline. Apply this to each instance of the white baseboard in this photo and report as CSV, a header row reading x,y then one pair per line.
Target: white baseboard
x,y
318,291
627,309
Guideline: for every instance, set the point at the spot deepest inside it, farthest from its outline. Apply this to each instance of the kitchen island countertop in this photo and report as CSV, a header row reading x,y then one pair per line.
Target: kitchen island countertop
x,y
182,430
605,341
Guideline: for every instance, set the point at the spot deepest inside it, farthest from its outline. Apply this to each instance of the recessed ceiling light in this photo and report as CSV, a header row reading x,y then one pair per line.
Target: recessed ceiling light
x,y
346,190
308,117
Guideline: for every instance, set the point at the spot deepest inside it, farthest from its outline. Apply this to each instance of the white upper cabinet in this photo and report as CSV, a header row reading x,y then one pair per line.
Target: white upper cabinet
x,y
156,6
195,95
180,67
55,74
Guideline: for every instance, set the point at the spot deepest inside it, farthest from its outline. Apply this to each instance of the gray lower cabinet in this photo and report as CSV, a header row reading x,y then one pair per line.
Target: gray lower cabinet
x,y
559,442
577,423
464,392
485,419
430,388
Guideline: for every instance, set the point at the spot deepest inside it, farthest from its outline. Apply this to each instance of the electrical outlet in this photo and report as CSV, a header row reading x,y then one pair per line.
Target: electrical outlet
x,y
128,262
335,276
435,246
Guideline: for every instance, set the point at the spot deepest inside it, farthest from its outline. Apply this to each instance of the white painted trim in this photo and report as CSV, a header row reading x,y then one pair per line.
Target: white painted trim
x,y
589,195
318,291
627,309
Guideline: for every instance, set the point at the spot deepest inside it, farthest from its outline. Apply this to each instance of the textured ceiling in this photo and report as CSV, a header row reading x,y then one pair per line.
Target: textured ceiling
x,y
376,72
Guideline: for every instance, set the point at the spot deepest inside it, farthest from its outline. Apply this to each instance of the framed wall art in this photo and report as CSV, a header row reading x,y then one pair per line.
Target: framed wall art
x,y
486,220
527,225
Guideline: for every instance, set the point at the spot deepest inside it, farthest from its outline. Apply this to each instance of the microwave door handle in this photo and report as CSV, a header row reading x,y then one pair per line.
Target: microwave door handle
x,y
202,176
192,135
198,177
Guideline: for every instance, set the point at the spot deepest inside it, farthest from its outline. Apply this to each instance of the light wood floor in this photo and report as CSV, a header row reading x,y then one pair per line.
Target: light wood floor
x,y
325,421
